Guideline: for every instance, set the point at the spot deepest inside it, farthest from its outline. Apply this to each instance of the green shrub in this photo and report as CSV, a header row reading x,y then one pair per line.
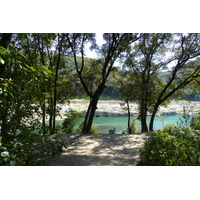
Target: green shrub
x,y
170,128
80,128
29,148
112,131
195,122
58,129
173,146
69,122
133,125
95,131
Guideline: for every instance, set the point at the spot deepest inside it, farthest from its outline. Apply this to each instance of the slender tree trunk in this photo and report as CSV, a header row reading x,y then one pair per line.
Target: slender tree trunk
x,y
55,86
50,124
4,126
54,104
143,116
44,118
153,116
54,109
152,121
50,114
55,101
129,118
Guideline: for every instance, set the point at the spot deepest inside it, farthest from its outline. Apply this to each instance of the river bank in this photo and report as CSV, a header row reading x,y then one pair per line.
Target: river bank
x,y
116,108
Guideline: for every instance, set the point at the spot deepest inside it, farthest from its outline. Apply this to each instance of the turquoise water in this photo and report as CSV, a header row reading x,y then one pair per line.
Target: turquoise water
x,y
104,124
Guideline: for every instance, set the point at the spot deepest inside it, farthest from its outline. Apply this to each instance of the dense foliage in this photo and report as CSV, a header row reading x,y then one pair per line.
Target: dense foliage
x,y
172,146
29,148
23,80
195,122
71,118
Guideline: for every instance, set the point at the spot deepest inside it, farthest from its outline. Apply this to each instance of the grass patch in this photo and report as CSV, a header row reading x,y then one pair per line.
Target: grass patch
x,y
195,110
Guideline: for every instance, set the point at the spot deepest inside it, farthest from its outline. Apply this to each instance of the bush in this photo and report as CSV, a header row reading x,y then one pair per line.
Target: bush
x,y
195,122
29,149
173,146
133,126
69,122
170,128
79,129
111,131
95,131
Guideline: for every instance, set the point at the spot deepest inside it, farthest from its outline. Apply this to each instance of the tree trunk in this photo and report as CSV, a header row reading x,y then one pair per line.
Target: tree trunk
x,y
50,114
50,124
129,118
152,121
55,98
153,116
143,116
44,118
4,127
54,110
55,86
144,124
90,115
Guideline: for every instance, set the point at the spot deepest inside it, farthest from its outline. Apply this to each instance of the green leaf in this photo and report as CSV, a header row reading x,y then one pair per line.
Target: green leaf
x,y
5,94
152,151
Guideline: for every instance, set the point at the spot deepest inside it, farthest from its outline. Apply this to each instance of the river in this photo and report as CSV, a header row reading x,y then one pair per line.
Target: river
x,y
104,124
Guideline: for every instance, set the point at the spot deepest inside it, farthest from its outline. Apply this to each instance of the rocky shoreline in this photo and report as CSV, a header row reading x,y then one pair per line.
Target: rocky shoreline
x,y
116,108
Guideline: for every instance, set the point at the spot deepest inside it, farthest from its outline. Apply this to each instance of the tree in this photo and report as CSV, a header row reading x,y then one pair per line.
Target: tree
x,y
57,59
17,91
148,58
33,46
115,45
186,47
142,61
126,86
48,49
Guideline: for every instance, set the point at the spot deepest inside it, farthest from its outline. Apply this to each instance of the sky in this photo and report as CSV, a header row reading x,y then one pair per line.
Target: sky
x,y
99,41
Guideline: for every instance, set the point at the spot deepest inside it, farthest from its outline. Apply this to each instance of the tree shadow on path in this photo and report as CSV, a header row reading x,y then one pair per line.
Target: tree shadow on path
x,y
99,150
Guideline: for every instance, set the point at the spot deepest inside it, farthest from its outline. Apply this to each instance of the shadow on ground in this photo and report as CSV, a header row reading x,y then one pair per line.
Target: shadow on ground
x,y
99,150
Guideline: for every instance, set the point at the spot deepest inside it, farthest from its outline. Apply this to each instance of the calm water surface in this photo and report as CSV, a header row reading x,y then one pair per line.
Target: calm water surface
x,y
104,124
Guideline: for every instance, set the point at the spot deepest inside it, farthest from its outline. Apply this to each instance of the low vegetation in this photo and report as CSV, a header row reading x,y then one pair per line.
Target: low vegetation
x,y
29,148
195,122
71,118
172,146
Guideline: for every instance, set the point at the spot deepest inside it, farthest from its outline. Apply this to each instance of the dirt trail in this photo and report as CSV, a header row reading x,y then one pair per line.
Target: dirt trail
x,y
99,150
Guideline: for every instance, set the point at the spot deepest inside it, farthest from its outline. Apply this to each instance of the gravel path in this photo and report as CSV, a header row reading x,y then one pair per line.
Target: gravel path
x,y
98,150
